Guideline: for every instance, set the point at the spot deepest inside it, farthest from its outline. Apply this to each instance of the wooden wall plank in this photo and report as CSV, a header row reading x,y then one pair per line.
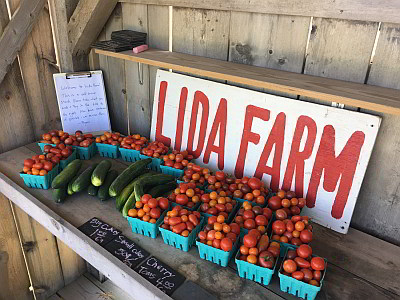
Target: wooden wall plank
x,y
82,289
15,120
366,10
38,63
14,280
137,84
378,206
115,79
270,41
340,50
73,266
41,253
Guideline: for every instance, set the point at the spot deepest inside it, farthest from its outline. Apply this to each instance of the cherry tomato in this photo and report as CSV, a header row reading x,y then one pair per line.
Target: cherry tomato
x,y
298,275
274,203
266,259
250,240
317,263
274,250
252,259
279,227
306,236
308,274
317,275
289,266
302,263
226,244
254,183
304,251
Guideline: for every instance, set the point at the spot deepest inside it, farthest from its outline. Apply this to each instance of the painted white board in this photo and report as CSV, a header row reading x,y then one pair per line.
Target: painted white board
x,y
82,102
318,151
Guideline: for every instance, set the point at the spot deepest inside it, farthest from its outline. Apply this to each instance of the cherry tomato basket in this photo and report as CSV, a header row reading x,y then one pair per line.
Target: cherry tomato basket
x,y
299,288
185,207
65,162
171,171
40,182
106,150
254,272
85,152
41,145
146,228
129,155
270,194
217,256
181,242
230,216
284,246
155,162
244,231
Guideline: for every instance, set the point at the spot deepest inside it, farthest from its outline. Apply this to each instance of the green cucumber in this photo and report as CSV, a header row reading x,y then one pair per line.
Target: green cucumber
x,y
121,199
99,174
128,205
69,189
127,176
160,190
102,194
92,190
60,194
66,175
83,180
158,179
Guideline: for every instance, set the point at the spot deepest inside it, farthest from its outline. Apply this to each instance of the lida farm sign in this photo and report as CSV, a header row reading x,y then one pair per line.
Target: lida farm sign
x,y
320,152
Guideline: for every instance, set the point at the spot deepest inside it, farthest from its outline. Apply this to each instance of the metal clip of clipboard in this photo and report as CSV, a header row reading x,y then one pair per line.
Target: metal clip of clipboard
x,y
78,75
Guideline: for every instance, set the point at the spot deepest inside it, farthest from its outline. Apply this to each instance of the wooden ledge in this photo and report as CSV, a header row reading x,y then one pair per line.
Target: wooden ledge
x,y
369,97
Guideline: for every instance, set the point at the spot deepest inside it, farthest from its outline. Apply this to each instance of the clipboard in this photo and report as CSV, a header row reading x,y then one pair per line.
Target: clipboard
x,y
82,102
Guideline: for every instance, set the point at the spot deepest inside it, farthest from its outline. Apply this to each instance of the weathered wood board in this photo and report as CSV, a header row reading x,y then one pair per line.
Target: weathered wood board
x,y
72,264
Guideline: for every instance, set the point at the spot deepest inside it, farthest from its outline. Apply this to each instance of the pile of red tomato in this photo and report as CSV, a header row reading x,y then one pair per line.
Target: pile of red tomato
x,y
195,173
218,234
255,250
177,160
181,221
296,231
109,138
301,265
60,151
155,149
134,141
287,202
149,209
253,217
217,204
186,194
39,165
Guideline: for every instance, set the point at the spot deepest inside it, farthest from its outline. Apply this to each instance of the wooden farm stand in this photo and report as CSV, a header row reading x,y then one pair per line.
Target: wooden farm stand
x,y
359,264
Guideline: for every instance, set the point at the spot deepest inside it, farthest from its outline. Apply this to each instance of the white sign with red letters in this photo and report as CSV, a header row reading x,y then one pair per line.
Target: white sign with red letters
x,y
320,152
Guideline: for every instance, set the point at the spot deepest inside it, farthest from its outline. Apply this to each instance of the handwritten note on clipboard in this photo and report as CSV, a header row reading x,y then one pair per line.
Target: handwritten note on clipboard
x,y
82,102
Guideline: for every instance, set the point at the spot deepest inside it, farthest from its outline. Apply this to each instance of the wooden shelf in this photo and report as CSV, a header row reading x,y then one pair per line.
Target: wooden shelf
x,y
349,273
370,97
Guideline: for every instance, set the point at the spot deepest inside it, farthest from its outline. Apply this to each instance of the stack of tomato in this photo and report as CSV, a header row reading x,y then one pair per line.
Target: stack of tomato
x,y
300,265
255,250
288,202
296,231
181,221
60,151
109,138
79,139
250,189
155,149
253,217
149,209
186,194
39,165
135,142
195,173
54,137
220,181
217,204
177,160
218,234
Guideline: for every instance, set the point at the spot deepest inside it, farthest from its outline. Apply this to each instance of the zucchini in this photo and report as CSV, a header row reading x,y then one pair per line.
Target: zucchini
x,y
62,179
83,180
99,174
92,190
69,189
127,191
160,190
142,184
127,176
60,194
102,194
128,205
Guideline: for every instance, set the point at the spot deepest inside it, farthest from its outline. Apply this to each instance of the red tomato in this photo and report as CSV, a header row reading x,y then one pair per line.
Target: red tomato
x,y
163,203
182,199
226,244
317,263
152,203
274,250
298,275
274,203
155,213
231,235
291,254
254,183
249,240
235,228
261,220
266,259
249,224
302,263
304,251
280,214
306,236
29,162
308,274
317,275
202,235
48,166
267,212
220,175
289,266
279,227
248,214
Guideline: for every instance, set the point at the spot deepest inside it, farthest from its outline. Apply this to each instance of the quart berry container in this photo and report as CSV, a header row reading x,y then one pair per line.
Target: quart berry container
x,y
146,228
85,153
40,182
155,162
217,256
254,272
106,150
129,155
65,162
181,242
171,171
296,287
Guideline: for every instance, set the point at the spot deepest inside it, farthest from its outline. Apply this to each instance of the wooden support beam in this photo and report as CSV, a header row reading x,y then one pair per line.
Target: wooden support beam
x,y
86,23
17,31
365,10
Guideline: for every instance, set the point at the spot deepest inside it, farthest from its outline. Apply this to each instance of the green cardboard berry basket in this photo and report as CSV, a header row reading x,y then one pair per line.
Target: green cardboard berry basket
x,y
129,155
40,182
106,150
146,228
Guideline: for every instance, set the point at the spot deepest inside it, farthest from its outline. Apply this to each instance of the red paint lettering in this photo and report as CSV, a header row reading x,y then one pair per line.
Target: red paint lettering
x,y
219,123
248,136
181,118
199,97
276,137
334,168
296,157
160,115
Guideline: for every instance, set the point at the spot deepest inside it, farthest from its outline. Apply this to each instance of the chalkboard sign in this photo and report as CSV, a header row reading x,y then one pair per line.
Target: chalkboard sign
x,y
160,275
99,231
126,251
82,102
